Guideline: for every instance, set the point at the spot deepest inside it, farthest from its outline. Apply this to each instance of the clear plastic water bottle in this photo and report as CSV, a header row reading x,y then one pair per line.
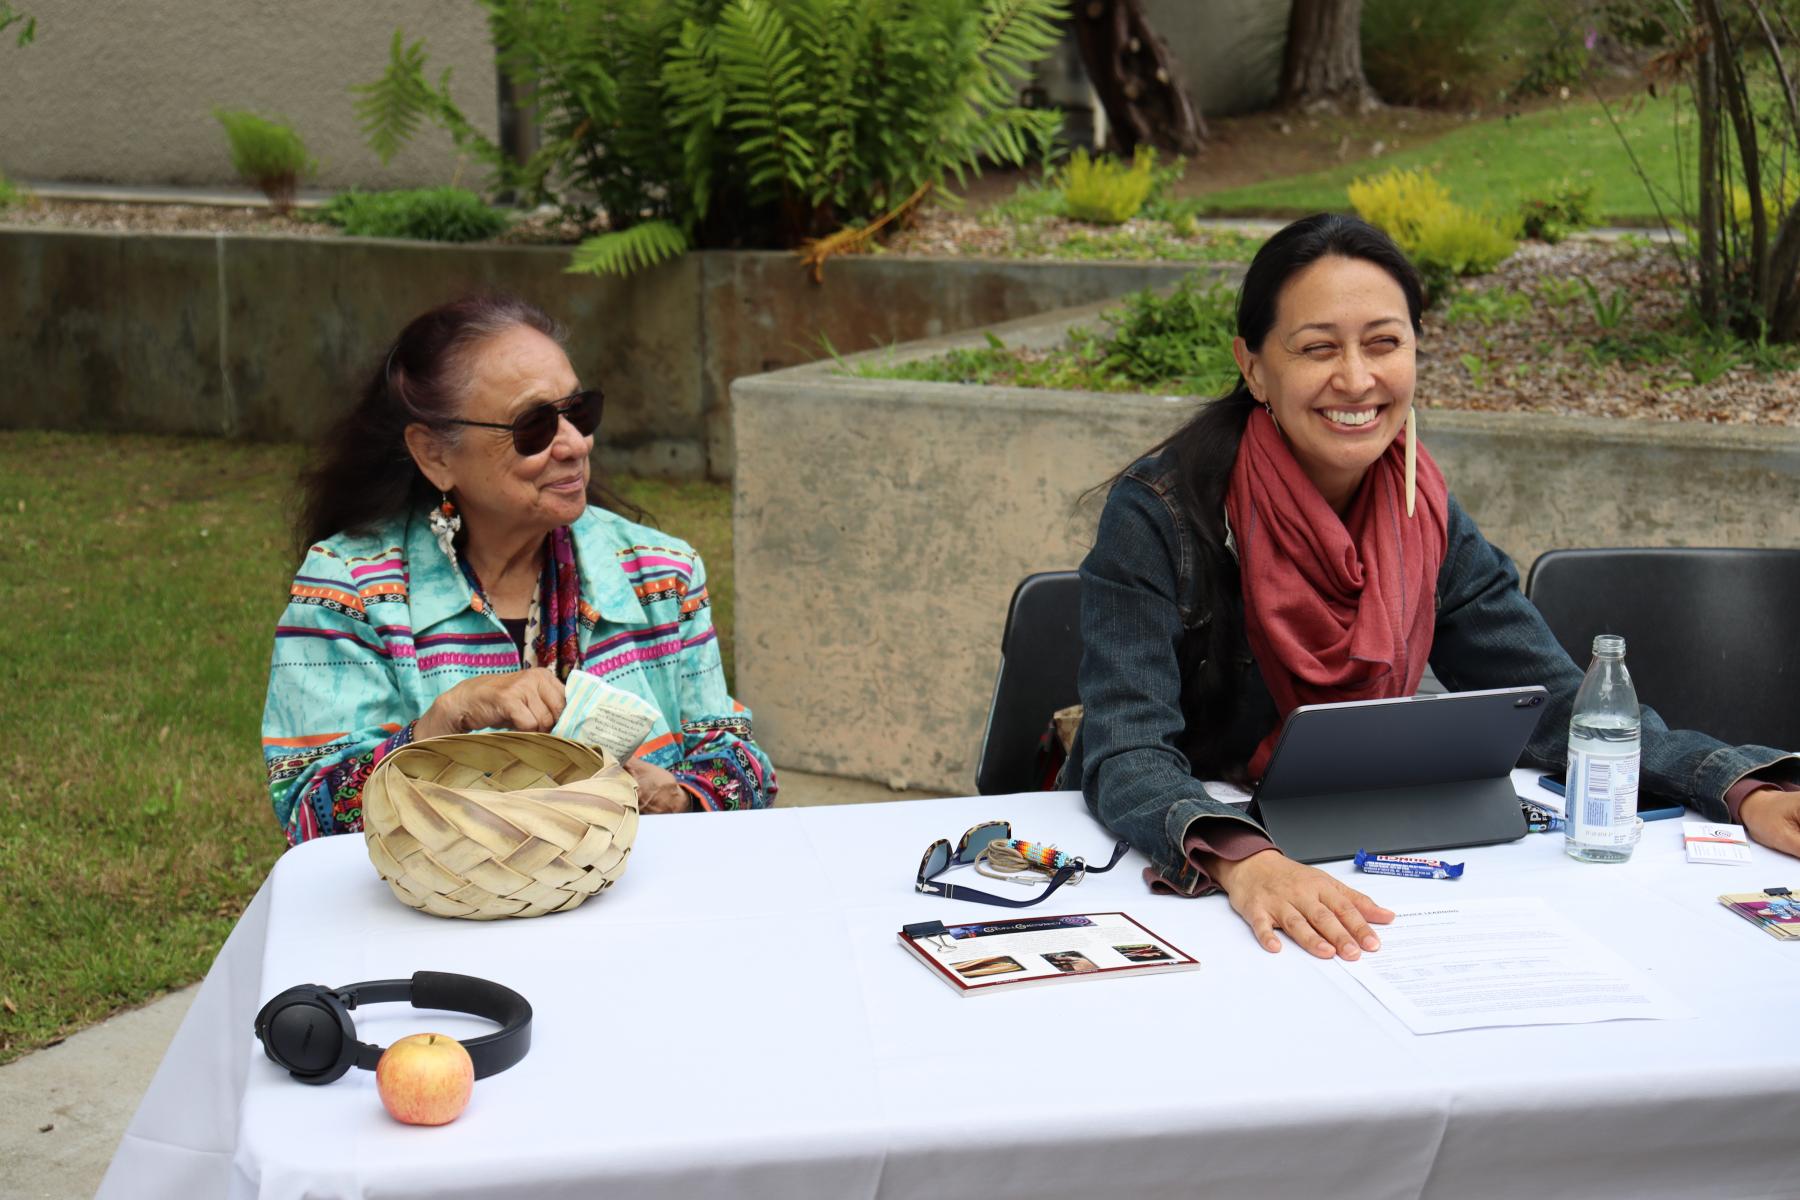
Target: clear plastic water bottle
x,y
1600,821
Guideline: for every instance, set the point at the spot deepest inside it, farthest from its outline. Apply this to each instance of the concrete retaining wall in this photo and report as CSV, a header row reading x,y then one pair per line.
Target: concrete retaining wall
x,y
880,527
760,312
271,337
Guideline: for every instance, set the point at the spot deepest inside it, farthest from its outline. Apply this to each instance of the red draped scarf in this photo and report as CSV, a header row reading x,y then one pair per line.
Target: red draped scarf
x,y
1335,609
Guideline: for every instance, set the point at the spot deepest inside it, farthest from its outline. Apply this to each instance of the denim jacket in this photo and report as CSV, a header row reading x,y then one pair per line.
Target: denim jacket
x,y
1144,744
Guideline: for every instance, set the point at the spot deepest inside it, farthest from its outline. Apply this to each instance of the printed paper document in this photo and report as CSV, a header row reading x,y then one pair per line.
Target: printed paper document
x,y
1502,962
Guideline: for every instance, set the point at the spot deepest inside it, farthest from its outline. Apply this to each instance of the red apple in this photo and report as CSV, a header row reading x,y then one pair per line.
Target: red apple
x,y
425,1079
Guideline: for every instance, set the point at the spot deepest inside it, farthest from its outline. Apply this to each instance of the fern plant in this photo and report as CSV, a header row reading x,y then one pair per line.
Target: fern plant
x,y
749,123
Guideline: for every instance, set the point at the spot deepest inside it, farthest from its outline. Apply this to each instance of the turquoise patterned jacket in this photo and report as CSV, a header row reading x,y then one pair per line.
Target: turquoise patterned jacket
x,y
379,626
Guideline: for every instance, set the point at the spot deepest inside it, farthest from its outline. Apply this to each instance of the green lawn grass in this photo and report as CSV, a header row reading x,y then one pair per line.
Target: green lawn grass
x,y
1501,160
141,578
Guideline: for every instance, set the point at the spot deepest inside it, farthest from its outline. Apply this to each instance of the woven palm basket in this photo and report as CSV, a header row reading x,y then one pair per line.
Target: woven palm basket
x,y
488,825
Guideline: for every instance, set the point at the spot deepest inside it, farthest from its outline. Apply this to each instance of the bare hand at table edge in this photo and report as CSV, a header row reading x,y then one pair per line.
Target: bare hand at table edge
x,y
1773,818
529,701
658,791
1323,915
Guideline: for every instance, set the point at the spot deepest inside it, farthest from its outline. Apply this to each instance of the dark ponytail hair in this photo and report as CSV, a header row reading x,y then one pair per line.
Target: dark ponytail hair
x,y
1205,447
362,473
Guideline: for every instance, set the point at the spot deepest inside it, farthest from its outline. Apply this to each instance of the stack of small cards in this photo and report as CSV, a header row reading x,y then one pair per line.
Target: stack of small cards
x,y
1710,843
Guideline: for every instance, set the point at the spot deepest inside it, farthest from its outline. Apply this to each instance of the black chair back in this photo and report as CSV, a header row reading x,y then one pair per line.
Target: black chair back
x,y
1711,636
1040,652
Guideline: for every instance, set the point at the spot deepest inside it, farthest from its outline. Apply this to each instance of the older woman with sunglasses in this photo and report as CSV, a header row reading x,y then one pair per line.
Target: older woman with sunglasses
x,y
462,560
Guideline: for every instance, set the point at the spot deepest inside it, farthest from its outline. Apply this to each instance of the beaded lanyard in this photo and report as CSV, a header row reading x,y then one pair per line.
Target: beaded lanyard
x,y
1011,858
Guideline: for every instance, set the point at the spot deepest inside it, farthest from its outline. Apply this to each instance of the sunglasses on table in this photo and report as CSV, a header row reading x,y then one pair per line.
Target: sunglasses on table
x,y
534,429
939,857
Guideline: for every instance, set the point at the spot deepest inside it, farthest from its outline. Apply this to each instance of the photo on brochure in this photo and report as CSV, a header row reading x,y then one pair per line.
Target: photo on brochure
x,y
976,968
1143,952
1070,962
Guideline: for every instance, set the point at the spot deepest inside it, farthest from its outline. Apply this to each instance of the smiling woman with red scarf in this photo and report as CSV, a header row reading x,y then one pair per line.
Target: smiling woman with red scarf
x,y
1292,544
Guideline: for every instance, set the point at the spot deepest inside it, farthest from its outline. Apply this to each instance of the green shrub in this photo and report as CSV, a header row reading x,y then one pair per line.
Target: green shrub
x,y
1564,209
1030,203
1444,239
772,123
1461,240
1182,338
1463,52
1395,198
1106,191
1178,342
443,214
266,154
1561,64
10,194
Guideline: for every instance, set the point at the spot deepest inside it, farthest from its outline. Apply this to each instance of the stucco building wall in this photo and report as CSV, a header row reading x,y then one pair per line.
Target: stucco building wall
x,y
122,91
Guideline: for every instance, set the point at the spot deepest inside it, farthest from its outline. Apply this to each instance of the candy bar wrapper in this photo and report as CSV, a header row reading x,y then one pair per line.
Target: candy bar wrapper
x,y
1410,868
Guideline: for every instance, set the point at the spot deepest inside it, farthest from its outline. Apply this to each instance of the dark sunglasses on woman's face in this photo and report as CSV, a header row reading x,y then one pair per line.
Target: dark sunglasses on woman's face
x,y
534,429
940,858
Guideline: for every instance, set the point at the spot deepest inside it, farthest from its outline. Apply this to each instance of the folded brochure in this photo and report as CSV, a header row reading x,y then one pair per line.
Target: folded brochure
x,y
1775,911
985,956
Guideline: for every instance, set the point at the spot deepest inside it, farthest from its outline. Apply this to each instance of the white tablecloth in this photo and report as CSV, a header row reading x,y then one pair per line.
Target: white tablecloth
x,y
735,1018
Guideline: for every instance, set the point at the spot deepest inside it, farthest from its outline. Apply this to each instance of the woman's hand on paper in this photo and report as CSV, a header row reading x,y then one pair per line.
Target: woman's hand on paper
x,y
1772,817
529,701
658,791
1323,915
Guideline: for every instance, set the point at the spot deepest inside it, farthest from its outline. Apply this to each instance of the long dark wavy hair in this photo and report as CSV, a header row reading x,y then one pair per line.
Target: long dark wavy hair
x,y
361,474
1205,447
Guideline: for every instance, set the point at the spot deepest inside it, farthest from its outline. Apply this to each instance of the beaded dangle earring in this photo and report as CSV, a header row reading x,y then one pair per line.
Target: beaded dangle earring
x,y
445,523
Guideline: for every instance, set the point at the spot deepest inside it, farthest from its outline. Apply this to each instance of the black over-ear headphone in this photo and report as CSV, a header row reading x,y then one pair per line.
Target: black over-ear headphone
x,y
308,1030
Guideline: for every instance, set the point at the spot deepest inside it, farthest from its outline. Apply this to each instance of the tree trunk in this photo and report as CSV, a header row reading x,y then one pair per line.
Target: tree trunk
x,y
1734,91
1137,79
517,127
1323,61
1710,266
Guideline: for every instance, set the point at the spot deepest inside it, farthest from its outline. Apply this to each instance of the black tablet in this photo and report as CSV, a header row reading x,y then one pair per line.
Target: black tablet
x,y
1398,776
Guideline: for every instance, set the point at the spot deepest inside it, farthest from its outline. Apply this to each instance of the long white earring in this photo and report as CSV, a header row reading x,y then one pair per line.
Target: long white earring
x,y
445,523
1412,457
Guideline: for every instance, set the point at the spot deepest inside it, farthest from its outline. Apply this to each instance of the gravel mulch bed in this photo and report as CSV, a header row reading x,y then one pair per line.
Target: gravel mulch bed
x,y
939,232
96,216
1541,356
545,227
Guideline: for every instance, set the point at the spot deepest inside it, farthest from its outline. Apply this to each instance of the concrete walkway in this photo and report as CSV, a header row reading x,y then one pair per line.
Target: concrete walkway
x,y
130,193
64,1109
